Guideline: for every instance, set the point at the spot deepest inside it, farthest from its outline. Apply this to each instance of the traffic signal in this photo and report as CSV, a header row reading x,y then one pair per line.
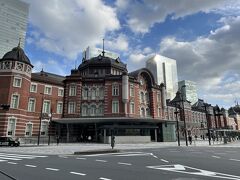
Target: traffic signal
x,y
5,107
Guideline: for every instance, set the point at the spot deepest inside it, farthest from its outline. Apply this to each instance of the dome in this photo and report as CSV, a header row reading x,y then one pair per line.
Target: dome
x,y
17,54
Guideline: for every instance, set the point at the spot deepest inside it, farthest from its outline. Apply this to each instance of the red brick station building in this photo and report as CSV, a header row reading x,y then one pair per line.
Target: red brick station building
x,y
97,99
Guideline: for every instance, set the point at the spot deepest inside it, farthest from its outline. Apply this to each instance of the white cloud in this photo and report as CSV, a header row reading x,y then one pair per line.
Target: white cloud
x,y
142,15
212,61
119,43
67,27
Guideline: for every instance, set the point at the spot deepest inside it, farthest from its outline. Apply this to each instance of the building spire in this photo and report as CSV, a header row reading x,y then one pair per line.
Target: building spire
x,y
19,42
103,52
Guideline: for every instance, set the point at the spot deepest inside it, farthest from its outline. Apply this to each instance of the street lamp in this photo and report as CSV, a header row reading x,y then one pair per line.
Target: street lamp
x,y
49,126
178,99
40,120
206,106
178,137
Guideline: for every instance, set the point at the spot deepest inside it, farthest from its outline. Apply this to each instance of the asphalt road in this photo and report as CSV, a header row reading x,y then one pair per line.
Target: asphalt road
x,y
178,163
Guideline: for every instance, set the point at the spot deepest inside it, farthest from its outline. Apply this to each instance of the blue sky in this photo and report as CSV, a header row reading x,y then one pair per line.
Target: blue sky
x,y
202,35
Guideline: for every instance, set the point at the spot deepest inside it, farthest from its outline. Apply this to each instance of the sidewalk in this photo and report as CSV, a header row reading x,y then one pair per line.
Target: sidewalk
x,y
67,149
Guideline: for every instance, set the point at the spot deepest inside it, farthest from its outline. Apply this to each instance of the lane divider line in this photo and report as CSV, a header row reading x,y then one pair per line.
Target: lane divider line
x,y
127,164
102,178
11,163
216,157
29,165
76,173
52,169
234,159
100,160
164,160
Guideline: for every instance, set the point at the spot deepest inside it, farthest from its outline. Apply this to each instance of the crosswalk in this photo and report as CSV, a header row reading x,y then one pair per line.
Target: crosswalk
x,y
17,157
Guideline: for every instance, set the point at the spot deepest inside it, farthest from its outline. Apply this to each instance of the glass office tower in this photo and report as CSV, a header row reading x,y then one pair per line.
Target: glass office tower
x,y
189,90
13,19
164,71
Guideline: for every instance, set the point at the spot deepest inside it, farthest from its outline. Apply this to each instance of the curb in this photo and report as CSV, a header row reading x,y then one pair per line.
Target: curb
x,y
104,151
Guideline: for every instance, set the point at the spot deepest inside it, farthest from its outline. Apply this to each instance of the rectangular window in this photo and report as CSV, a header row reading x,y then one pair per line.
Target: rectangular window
x,y
115,90
11,127
115,107
17,82
72,90
44,128
59,107
46,106
132,90
48,90
60,92
132,108
28,130
71,107
15,101
33,88
158,97
31,105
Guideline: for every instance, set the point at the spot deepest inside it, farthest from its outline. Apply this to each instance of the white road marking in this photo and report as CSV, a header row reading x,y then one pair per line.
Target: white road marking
x,y
216,157
11,163
142,154
102,178
107,154
63,157
178,168
22,155
14,156
52,169
82,158
14,159
80,174
175,151
100,160
234,159
127,164
231,151
219,153
164,160
29,165
2,160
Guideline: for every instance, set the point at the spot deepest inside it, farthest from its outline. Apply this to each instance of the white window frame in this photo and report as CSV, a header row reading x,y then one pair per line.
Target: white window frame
x,y
59,108
132,105
45,110
15,81
33,84
69,107
72,90
46,91
9,127
132,90
60,92
93,111
115,90
84,113
93,93
115,107
26,129
33,108
100,110
44,131
17,105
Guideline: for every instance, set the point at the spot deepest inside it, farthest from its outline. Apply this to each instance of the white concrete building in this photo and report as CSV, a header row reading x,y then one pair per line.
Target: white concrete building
x,y
13,19
164,71
189,90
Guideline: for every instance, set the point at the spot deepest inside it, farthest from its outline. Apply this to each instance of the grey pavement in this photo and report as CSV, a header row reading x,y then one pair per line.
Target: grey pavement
x,y
70,148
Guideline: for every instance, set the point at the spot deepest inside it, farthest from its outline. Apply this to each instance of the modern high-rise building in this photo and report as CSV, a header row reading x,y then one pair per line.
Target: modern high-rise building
x,y
188,90
164,71
13,20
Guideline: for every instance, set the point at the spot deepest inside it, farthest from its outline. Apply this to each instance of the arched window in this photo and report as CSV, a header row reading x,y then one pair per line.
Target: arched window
x,y
84,110
85,93
148,112
93,110
100,110
101,92
147,97
93,93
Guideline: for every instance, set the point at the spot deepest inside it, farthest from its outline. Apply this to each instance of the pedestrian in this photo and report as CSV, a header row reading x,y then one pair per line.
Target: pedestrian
x,y
57,140
190,139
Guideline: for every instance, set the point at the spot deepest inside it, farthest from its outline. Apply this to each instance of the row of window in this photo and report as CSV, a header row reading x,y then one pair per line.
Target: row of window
x,y
17,82
11,128
32,103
